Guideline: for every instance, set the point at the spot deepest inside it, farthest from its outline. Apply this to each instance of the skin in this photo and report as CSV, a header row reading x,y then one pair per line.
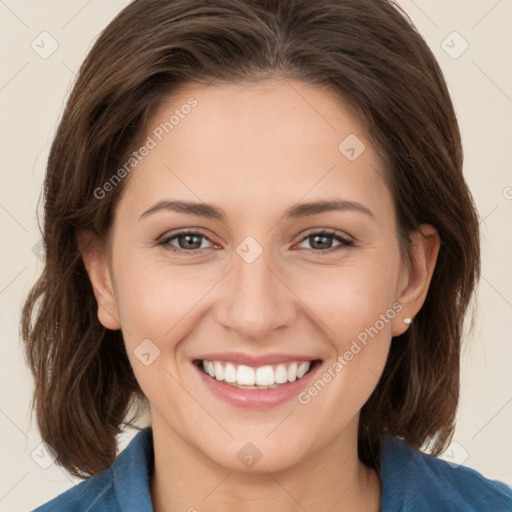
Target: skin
x,y
255,151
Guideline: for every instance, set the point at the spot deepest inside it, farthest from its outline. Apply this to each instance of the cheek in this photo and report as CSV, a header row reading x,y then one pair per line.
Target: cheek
x,y
153,298
359,321
157,307
356,305
157,301
352,298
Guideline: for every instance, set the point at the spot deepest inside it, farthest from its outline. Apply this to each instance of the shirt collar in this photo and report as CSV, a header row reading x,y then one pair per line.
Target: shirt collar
x,y
131,472
133,468
395,472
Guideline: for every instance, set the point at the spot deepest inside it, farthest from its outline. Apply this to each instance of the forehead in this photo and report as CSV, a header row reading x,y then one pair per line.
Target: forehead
x,y
263,144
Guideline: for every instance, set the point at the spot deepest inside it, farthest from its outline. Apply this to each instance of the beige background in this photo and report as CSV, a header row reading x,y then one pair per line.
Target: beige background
x,y
32,95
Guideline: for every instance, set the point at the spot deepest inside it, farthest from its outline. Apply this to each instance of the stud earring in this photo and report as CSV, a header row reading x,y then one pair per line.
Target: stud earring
x,y
407,321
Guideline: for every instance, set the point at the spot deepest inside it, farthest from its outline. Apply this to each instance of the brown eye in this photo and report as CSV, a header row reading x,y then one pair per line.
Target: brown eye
x,y
186,241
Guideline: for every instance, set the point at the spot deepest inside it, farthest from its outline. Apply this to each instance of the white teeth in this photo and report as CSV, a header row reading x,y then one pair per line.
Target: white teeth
x,y
292,372
281,374
219,371
245,375
302,369
230,373
263,377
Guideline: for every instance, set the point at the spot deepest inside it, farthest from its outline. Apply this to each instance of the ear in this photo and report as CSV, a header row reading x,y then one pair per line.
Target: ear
x,y
95,259
415,276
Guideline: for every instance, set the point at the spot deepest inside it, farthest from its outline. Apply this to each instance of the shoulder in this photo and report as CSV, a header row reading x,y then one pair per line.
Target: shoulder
x,y
413,480
96,494
125,484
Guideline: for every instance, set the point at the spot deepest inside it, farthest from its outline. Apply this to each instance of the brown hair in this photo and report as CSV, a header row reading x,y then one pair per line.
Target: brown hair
x,y
373,57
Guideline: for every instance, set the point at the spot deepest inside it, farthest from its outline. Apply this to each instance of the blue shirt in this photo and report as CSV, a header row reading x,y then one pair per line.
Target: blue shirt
x,y
412,481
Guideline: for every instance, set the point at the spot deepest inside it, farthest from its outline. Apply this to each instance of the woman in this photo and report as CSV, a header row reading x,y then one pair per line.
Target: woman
x,y
256,214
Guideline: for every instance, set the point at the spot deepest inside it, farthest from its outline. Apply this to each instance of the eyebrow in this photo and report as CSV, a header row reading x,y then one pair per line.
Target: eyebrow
x,y
298,211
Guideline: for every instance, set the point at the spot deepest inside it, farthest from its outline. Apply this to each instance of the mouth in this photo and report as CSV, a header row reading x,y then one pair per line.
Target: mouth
x,y
256,377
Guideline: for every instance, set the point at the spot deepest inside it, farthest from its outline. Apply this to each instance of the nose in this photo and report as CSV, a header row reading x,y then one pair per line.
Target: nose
x,y
257,300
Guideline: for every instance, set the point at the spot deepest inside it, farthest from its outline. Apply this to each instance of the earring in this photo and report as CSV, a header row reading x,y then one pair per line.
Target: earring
x,y
407,321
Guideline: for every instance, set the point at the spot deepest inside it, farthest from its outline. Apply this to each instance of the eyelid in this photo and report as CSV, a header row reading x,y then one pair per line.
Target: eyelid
x,y
166,237
344,240
327,231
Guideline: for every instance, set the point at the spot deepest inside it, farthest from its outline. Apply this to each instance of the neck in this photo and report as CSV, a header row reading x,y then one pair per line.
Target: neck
x,y
333,479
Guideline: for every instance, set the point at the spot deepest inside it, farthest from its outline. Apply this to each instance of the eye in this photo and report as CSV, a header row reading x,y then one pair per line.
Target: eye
x,y
191,241
188,241
321,241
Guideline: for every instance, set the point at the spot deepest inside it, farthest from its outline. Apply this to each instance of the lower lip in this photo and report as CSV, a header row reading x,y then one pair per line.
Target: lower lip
x,y
257,398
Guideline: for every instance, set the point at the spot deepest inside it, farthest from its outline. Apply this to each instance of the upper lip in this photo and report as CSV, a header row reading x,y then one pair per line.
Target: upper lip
x,y
253,360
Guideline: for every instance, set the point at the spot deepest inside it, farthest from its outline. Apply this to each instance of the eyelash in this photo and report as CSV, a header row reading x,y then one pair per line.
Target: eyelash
x,y
344,242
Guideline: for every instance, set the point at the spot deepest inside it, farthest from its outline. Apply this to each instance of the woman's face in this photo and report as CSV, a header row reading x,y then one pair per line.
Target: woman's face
x,y
257,284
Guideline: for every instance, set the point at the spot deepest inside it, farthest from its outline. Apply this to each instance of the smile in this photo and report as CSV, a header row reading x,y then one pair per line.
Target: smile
x,y
262,377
